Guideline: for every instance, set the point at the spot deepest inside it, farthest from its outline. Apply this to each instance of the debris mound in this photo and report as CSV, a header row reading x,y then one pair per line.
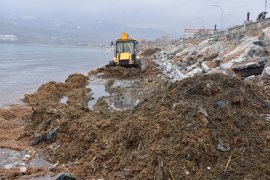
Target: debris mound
x,y
208,126
51,93
117,72
47,107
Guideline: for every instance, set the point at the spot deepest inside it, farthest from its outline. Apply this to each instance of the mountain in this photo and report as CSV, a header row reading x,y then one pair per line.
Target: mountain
x,y
40,30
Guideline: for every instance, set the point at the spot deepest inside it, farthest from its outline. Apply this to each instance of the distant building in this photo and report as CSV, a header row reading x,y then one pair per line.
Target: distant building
x,y
192,33
11,38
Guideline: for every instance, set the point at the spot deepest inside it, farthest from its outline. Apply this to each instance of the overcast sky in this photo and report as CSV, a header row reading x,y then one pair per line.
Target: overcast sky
x,y
166,14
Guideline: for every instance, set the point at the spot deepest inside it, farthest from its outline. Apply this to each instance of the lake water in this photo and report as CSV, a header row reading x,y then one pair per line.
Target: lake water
x,y
23,68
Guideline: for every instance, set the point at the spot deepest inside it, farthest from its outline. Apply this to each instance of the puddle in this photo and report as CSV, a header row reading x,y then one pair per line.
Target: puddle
x,y
21,159
124,103
127,99
10,158
98,91
124,94
64,100
39,162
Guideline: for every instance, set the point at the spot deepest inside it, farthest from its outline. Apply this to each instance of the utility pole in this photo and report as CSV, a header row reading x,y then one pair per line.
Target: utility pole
x,y
222,15
265,9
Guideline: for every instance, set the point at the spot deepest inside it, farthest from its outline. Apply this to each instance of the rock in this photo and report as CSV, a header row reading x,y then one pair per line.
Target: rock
x,y
250,79
211,56
207,42
251,68
167,66
266,34
208,65
99,75
217,70
169,56
205,67
51,111
194,72
221,104
177,49
256,51
190,68
266,71
178,75
26,157
23,169
223,147
259,43
64,100
193,53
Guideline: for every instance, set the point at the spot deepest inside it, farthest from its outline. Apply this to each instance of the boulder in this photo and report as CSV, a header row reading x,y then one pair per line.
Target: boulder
x,y
218,70
207,42
259,43
266,72
266,34
194,72
178,75
177,49
167,66
250,68
208,65
250,79
256,51
211,56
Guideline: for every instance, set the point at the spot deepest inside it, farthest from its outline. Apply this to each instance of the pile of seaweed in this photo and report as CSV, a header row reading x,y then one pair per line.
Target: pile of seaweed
x,y
209,126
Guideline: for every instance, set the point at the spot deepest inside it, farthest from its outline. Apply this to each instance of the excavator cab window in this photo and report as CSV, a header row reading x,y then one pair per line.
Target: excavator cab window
x,y
129,47
125,47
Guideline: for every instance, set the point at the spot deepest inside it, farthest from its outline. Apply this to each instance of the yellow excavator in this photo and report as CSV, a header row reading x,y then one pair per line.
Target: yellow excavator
x,y
126,52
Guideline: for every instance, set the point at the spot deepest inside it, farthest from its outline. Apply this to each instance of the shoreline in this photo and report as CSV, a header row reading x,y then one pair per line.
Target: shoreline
x,y
58,45
29,67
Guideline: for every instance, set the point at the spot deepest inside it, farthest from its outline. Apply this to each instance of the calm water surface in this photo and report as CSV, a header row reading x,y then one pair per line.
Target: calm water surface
x,y
24,68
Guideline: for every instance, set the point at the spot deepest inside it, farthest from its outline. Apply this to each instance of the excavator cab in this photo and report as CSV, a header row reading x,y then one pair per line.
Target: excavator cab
x,y
126,52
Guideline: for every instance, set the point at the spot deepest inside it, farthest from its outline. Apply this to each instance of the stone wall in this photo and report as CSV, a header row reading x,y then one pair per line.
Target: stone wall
x,y
239,29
